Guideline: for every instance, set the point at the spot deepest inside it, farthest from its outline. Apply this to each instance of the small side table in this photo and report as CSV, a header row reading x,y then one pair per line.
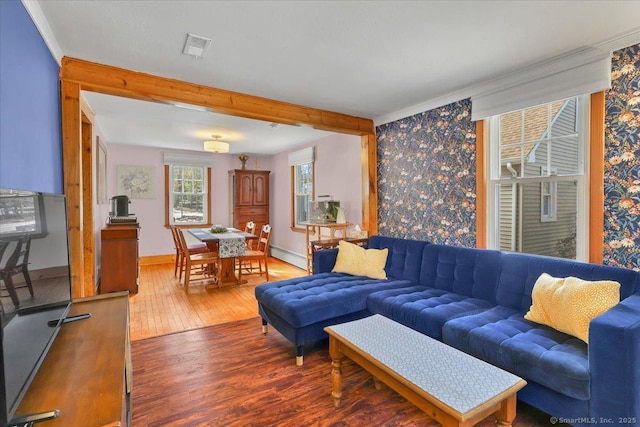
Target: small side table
x,y
316,227
318,245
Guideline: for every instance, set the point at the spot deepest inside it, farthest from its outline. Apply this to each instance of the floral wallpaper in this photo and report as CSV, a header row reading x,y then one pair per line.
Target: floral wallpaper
x,y
427,176
622,161
426,170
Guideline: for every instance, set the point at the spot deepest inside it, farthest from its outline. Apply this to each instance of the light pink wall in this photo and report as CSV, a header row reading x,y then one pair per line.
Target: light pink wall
x,y
337,172
337,169
155,239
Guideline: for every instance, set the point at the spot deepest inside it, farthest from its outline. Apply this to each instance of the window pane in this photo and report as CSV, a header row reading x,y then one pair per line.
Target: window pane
x,y
188,208
536,216
303,191
565,155
536,122
188,195
511,127
541,135
302,211
564,118
521,228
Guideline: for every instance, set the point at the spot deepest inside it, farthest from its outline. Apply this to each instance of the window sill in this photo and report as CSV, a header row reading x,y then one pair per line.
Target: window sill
x,y
190,225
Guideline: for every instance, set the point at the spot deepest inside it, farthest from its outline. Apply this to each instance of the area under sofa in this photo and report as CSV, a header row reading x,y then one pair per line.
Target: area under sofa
x,y
475,300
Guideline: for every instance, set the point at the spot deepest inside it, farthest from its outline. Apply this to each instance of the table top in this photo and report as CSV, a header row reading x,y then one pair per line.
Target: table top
x,y
456,379
204,235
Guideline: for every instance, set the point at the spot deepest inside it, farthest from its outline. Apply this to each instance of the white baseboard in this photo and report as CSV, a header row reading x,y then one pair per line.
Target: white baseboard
x,y
293,258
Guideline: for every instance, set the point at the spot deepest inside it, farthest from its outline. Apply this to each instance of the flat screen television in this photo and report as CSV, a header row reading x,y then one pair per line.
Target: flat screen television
x,y
35,286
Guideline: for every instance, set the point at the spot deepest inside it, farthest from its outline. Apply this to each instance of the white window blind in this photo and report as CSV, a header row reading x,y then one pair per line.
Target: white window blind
x,y
301,157
187,160
584,71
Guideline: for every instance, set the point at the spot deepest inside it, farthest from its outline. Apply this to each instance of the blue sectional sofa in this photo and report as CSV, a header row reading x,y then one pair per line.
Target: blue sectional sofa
x,y
475,301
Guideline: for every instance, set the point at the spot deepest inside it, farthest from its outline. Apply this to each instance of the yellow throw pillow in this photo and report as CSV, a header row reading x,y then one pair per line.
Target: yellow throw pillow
x,y
568,305
356,260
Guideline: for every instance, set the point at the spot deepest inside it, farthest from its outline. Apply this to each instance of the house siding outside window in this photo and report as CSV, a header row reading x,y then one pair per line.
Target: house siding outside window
x,y
537,179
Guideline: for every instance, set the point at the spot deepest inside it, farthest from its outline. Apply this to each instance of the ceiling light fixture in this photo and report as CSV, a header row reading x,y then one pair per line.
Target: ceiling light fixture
x,y
216,145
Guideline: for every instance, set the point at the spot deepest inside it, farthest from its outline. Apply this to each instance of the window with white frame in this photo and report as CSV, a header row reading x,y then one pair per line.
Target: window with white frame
x,y
537,179
302,185
187,192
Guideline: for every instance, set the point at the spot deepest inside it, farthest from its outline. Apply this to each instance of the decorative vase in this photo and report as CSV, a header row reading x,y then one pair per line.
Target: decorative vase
x,y
243,158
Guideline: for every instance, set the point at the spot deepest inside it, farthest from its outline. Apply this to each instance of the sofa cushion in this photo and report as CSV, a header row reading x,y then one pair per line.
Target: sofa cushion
x,y
519,272
356,260
424,309
403,261
465,271
502,337
569,304
306,300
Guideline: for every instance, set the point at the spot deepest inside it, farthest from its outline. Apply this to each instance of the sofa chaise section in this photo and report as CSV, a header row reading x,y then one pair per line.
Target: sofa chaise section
x,y
302,307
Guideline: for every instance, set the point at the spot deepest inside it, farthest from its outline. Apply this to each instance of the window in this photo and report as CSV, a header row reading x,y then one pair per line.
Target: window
x,y
303,192
537,195
187,191
302,185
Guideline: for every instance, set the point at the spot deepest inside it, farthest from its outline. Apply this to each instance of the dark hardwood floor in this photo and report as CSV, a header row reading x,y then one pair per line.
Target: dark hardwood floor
x,y
232,375
189,373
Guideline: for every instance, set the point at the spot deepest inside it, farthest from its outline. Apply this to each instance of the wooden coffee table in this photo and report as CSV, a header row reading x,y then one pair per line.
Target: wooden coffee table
x,y
450,386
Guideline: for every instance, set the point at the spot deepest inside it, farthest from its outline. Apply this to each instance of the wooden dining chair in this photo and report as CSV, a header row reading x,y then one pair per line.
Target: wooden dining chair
x,y
194,248
260,253
250,227
204,264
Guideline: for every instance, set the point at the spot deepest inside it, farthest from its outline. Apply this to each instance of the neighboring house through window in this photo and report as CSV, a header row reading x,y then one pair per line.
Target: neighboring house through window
x,y
537,179
302,185
187,190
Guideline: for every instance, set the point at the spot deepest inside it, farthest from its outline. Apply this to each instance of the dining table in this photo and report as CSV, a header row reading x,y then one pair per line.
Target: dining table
x,y
229,245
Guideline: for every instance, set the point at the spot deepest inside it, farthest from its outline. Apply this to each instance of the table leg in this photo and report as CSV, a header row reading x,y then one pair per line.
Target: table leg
x,y
336,371
507,412
227,275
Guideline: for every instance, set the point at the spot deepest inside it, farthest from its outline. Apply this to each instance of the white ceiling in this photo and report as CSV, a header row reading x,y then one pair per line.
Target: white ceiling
x,y
376,59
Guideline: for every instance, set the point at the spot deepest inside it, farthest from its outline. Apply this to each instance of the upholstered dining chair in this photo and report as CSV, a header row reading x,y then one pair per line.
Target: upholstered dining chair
x,y
204,264
194,248
260,253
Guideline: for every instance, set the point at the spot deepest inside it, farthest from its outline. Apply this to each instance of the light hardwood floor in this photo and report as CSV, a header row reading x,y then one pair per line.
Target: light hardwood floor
x,y
161,305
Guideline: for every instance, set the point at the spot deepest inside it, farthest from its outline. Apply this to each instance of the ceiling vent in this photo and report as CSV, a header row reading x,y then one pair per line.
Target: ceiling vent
x,y
196,45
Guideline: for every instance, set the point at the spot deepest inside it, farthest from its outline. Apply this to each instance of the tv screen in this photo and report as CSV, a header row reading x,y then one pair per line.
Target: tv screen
x,y
35,286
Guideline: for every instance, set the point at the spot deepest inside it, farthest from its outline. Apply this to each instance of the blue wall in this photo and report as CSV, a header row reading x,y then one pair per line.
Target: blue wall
x,y
30,132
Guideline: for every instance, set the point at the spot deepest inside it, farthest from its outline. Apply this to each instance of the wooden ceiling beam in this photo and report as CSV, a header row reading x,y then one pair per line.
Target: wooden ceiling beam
x,y
133,84
77,75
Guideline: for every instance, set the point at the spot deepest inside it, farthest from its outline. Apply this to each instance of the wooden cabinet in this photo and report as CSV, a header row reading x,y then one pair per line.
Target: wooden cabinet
x,y
249,193
119,260
87,373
